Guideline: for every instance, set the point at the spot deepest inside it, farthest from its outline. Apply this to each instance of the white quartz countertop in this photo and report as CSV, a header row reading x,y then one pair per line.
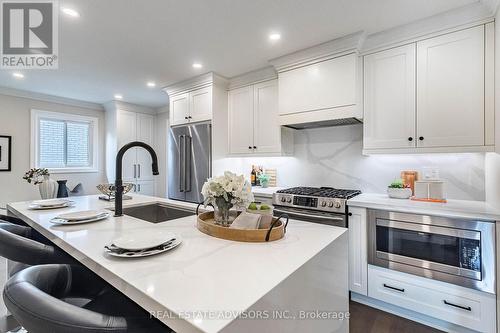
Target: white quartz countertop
x,y
265,191
202,274
453,208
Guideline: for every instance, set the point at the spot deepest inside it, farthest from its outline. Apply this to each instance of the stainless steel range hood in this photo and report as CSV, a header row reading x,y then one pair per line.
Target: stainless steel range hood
x,y
326,123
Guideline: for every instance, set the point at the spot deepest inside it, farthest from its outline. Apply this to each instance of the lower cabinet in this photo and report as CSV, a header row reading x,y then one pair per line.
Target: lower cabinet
x,y
145,187
458,305
358,263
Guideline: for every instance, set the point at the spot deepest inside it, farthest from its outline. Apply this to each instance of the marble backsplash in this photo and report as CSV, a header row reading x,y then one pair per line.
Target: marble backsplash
x,y
332,156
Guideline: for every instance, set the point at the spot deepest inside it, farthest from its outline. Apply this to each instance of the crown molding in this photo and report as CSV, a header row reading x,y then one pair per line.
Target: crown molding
x,y
119,105
193,83
455,19
324,51
253,77
49,98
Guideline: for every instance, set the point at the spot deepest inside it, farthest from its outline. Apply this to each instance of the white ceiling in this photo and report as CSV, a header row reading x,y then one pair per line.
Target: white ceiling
x,y
116,46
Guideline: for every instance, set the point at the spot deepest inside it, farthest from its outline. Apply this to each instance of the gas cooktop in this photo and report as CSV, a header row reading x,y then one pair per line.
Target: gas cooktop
x,y
327,192
327,199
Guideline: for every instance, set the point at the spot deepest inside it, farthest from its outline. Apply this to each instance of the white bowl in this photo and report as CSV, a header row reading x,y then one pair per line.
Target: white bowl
x,y
399,193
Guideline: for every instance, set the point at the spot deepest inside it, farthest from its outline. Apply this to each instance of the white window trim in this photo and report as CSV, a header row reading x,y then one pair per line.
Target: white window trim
x,y
94,139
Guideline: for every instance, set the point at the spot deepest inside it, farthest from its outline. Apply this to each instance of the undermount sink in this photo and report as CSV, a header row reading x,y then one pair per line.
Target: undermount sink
x,y
156,212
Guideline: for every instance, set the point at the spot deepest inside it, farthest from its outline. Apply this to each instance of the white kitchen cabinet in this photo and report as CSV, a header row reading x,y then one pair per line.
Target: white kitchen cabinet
x,y
145,187
450,89
433,95
358,262
253,121
389,98
145,132
200,104
127,132
179,109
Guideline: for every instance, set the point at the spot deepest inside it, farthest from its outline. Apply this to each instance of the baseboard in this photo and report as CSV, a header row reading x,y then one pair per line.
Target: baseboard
x,y
410,315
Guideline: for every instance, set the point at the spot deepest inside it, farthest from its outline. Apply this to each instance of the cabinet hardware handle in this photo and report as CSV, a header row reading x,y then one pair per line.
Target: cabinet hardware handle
x,y
190,117
466,308
139,187
249,147
394,288
135,170
410,139
138,171
186,117
254,147
350,214
421,138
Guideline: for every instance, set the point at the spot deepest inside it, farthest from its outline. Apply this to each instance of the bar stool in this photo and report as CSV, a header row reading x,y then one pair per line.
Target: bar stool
x,y
35,297
25,247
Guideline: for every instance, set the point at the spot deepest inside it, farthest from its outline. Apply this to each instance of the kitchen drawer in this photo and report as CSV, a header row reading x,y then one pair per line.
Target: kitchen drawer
x,y
462,306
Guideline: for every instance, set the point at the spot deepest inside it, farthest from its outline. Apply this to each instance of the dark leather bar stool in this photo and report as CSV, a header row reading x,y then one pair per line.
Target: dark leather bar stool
x,y
25,247
35,297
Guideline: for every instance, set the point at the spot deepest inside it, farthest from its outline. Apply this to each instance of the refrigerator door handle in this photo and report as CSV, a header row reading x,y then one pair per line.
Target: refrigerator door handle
x,y
135,171
182,162
188,157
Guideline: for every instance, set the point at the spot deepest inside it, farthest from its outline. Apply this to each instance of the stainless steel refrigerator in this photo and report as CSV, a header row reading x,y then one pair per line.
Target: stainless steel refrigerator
x,y
189,161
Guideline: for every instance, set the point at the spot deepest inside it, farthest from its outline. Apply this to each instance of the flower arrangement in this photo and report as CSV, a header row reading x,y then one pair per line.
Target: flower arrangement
x,y
225,192
36,176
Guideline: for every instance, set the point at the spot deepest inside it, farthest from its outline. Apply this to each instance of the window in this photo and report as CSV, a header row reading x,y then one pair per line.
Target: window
x,y
63,142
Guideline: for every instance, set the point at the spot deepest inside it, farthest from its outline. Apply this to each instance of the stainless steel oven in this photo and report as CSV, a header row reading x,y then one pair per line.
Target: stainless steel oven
x,y
457,251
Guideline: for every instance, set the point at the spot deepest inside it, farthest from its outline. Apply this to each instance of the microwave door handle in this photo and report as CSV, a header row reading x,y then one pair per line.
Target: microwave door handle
x,y
430,229
292,213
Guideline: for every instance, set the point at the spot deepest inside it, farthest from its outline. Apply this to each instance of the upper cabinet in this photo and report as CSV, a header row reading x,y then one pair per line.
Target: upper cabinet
x,y
193,100
432,95
253,124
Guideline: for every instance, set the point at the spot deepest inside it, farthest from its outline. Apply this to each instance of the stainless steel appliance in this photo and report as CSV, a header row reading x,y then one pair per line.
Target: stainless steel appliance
x,y
189,161
324,205
457,251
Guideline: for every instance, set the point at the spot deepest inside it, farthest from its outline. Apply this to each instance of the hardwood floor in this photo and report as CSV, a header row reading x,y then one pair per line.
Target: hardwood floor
x,y
365,319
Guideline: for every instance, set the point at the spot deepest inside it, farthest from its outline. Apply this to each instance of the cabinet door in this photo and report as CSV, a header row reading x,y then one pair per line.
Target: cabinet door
x,y
324,85
450,89
145,133
358,262
179,109
146,188
389,111
200,104
240,110
267,130
127,132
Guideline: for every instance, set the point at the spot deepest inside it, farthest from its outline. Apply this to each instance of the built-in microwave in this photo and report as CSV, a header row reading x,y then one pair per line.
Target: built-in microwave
x,y
458,251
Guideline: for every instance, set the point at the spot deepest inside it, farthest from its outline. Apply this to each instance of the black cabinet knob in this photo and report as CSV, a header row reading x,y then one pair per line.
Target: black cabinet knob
x,y
254,147
249,147
185,117
350,214
190,117
410,139
421,138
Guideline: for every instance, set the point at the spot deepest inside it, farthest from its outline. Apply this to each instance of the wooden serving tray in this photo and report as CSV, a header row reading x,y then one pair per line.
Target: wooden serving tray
x,y
206,224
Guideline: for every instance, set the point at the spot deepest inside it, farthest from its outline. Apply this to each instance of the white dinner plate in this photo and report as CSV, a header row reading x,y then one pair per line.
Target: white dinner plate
x,y
60,221
144,239
83,215
50,202
38,207
140,254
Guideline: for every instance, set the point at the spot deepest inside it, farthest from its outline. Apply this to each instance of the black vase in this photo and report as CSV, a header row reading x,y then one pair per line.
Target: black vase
x,y
62,190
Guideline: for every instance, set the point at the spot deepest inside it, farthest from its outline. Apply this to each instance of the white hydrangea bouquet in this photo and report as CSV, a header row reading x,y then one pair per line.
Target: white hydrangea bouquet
x,y
225,192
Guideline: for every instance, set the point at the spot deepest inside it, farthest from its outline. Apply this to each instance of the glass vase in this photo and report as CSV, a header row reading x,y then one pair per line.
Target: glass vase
x,y
222,212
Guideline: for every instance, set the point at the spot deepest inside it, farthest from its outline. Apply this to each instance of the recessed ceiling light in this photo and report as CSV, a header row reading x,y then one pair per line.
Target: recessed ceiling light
x,y
70,12
151,84
118,96
18,75
274,36
197,65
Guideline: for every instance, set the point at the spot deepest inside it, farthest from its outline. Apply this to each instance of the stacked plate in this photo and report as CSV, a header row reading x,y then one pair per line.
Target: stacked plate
x,y
142,244
80,217
50,204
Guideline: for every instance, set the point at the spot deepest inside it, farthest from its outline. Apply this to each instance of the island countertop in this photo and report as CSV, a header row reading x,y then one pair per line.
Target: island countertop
x,y
202,275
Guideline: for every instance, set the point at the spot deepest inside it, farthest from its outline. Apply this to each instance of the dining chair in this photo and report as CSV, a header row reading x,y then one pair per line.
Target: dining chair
x,y
24,247
36,298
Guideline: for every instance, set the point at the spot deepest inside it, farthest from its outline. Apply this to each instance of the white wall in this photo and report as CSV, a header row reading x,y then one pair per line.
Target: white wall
x,y
332,157
161,148
15,121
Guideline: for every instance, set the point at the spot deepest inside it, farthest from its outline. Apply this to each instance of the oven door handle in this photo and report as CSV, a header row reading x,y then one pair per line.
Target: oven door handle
x,y
430,229
293,213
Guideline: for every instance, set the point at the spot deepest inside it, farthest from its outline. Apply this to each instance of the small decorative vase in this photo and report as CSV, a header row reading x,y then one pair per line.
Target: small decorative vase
x,y
48,188
222,214
62,190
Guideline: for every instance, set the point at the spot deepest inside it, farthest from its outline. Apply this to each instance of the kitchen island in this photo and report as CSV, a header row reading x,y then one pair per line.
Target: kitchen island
x,y
296,284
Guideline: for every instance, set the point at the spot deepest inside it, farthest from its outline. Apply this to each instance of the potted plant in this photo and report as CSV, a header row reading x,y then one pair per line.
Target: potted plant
x,y
225,192
399,190
263,179
41,177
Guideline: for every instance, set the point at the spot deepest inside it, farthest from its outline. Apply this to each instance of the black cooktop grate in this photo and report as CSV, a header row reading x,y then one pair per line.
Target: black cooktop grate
x,y
327,192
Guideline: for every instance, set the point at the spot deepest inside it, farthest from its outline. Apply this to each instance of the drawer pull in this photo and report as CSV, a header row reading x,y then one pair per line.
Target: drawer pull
x,y
466,308
394,288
